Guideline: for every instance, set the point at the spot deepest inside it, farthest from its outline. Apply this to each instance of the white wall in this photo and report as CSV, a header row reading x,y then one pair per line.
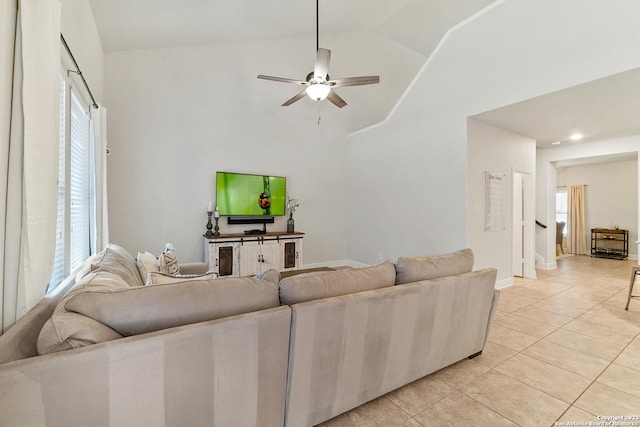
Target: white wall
x,y
611,196
408,177
547,177
79,29
178,115
497,151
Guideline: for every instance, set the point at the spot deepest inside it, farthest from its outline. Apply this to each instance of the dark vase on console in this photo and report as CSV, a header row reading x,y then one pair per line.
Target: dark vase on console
x,y
290,224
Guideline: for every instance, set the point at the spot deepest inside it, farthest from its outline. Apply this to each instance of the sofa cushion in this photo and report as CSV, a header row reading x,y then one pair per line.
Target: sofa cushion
x,y
325,284
115,259
138,310
413,269
65,330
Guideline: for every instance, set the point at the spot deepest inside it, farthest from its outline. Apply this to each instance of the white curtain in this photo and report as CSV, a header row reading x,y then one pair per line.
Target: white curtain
x,y
576,219
99,135
29,77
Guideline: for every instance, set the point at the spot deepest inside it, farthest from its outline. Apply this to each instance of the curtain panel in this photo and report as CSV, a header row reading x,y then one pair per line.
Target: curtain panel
x,y
30,46
99,143
577,229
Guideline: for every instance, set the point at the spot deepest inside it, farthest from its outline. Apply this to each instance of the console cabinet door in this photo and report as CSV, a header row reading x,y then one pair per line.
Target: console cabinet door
x,y
290,254
250,253
222,258
270,255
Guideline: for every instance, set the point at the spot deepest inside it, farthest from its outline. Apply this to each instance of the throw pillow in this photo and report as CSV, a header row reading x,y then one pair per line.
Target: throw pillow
x,y
159,278
146,263
167,261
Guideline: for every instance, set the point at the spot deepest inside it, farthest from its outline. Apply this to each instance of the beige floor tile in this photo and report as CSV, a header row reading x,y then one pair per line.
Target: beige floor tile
x,y
510,338
566,304
537,291
460,410
606,333
586,344
506,306
602,282
623,378
493,354
525,325
411,423
571,360
621,321
587,294
557,382
380,412
604,400
461,373
420,395
577,415
517,299
607,313
630,357
539,314
515,400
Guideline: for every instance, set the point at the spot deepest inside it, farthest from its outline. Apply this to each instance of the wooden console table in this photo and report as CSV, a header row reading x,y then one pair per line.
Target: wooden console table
x,y
249,254
609,243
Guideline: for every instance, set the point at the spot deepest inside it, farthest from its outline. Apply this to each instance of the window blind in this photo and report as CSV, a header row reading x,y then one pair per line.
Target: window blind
x,y
79,183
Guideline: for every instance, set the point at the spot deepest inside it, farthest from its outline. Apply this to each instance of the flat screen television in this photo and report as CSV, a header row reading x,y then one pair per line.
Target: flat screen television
x,y
250,196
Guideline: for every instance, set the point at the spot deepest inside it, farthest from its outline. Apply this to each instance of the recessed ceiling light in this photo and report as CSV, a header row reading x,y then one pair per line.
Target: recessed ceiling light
x,y
555,143
576,137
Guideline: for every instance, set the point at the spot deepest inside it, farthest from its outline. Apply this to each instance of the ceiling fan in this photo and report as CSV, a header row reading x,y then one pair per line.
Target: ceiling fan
x,y
318,83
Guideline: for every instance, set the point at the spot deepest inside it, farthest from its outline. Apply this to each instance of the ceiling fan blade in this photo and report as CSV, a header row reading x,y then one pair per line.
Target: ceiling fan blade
x,y
355,81
336,100
281,79
323,56
298,97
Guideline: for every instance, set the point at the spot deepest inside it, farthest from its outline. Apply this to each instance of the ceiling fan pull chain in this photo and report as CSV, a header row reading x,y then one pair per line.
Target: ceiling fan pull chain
x,y
319,112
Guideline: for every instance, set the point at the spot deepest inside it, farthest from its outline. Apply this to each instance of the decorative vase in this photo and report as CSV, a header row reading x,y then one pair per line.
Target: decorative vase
x,y
290,223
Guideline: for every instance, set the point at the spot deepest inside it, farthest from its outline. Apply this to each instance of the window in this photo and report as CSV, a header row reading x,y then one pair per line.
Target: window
x,y
75,192
561,208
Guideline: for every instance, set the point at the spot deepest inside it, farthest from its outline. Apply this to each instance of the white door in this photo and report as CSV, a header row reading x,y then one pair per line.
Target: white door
x,y
518,225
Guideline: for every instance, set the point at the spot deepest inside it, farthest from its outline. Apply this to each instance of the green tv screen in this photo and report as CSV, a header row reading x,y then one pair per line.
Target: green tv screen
x,y
239,194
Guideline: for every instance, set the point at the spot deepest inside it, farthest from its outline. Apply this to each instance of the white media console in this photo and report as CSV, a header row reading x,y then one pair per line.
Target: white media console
x,y
250,254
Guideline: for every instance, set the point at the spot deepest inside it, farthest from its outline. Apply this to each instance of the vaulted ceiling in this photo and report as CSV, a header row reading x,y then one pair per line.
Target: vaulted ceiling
x,y
355,31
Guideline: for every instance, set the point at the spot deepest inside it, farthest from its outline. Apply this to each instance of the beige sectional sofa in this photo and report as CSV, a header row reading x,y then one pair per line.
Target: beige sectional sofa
x,y
253,351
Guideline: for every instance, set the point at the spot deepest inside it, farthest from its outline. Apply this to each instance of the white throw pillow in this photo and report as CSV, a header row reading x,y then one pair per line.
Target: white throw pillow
x,y
146,263
158,278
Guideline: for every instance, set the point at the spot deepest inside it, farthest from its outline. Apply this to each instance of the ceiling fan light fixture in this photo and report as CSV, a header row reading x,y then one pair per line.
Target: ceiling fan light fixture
x,y
318,91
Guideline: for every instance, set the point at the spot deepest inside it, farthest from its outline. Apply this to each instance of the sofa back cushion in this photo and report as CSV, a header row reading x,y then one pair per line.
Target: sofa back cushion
x,y
137,310
413,269
115,259
325,284
65,330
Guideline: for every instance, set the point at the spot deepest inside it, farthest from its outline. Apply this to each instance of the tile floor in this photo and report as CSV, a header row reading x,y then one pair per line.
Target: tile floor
x,y
561,349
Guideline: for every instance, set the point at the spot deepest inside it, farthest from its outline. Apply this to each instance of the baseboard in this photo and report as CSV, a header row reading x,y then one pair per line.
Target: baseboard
x,y
633,257
504,283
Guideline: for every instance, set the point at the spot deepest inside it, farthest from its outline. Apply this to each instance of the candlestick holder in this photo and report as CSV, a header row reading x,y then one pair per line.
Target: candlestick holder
x,y
216,230
209,233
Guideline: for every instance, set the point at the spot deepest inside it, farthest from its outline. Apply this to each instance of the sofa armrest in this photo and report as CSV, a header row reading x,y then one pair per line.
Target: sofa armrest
x,y
193,268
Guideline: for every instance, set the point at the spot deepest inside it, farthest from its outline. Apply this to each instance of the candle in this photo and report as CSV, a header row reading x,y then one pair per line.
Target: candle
x,y
210,207
216,213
